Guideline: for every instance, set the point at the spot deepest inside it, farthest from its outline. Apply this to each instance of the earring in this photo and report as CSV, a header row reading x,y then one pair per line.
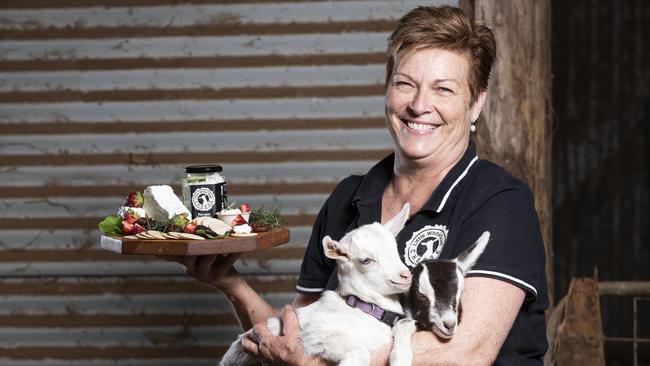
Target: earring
x,y
472,127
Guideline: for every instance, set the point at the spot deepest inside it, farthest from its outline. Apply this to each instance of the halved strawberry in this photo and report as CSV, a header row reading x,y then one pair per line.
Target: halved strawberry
x,y
137,228
239,220
131,218
127,228
245,208
134,199
190,228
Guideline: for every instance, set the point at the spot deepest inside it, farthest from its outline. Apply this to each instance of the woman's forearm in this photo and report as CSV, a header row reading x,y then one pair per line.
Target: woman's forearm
x,y
248,305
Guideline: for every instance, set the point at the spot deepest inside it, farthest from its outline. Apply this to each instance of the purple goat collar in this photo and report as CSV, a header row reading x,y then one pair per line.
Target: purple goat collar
x,y
380,314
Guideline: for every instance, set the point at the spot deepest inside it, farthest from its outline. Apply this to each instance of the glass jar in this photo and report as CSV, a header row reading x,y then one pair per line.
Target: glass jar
x,y
204,190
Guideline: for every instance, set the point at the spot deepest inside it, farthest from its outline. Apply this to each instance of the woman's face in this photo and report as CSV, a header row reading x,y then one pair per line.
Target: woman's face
x,y
428,108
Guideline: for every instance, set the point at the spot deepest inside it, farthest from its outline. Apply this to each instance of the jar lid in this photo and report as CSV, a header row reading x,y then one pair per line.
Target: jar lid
x,y
203,168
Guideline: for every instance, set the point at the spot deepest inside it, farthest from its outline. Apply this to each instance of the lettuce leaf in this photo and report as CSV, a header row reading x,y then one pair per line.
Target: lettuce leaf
x,y
111,225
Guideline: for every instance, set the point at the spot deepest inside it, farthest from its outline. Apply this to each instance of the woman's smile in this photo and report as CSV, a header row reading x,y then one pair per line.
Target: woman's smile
x,y
418,127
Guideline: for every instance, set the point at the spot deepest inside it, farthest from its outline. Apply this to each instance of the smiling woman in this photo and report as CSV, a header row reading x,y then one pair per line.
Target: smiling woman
x,y
437,73
428,107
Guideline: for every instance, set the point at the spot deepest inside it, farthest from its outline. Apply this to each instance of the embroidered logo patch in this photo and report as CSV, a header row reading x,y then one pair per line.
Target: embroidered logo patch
x,y
426,243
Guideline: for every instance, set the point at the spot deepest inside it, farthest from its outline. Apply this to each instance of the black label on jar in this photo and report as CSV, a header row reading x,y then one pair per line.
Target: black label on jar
x,y
206,199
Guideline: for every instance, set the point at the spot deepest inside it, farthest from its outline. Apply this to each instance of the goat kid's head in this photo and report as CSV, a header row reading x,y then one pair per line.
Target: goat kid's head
x,y
367,259
437,285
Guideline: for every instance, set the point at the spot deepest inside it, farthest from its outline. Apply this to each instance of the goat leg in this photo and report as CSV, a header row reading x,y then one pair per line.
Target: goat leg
x,y
402,354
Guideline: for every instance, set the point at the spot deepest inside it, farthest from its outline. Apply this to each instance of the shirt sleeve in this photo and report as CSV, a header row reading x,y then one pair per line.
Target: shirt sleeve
x,y
316,268
515,252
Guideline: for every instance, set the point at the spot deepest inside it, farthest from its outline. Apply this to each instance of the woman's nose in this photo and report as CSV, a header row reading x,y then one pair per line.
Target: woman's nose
x,y
421,103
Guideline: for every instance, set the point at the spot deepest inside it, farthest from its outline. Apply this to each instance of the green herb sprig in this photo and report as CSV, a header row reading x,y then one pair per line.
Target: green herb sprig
x,y
270,218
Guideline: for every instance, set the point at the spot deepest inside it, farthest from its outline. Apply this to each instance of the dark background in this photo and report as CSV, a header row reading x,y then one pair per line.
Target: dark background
x,y
601,98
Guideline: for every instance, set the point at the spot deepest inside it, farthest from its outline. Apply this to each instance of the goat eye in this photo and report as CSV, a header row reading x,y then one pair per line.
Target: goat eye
x,y
365,261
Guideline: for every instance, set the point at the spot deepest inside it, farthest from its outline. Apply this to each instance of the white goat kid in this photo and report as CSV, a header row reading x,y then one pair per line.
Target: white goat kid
x,y
344,326
433,301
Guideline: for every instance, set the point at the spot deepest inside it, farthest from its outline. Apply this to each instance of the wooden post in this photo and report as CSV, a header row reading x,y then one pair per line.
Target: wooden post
x,y
514,129
579,338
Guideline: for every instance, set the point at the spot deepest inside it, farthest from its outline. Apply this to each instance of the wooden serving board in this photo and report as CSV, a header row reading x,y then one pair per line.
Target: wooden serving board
x,y
231,244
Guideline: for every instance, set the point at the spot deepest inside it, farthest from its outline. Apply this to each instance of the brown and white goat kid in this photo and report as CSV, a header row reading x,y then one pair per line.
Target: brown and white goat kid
x,y
433,301
346,326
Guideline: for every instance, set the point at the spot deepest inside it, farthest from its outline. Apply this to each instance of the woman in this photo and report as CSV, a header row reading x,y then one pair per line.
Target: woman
x,y
437,73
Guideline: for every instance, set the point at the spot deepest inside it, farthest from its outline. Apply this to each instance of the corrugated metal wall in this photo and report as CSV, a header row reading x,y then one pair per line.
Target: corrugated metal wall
x,y
601,203
99,98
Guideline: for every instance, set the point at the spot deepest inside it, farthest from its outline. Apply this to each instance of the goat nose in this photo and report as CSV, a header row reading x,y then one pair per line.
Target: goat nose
x,y
449,324
405,274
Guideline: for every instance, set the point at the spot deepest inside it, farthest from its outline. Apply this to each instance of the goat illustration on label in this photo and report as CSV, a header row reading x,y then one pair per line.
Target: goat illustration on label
x,y
426,243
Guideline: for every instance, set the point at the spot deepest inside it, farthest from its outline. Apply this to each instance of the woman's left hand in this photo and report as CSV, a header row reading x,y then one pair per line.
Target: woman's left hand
x,y
285,349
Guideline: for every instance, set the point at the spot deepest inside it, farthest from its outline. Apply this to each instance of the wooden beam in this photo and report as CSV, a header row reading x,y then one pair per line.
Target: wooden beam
x,y
579,339
514,129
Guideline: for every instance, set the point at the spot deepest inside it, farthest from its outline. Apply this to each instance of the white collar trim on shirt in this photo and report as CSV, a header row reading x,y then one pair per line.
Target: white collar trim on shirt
x,y
444,199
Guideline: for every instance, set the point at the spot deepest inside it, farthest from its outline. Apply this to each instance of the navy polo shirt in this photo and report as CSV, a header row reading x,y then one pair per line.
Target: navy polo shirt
x,y
475,196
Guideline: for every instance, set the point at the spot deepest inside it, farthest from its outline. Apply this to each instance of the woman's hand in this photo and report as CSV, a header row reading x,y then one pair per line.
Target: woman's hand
x,y
216,270
285,349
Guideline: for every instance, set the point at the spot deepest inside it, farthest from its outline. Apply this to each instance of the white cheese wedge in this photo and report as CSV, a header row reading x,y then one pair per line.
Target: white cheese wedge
x,y
161,204
242,229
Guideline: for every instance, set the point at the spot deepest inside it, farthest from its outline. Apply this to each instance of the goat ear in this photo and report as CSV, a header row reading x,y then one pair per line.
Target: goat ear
x,y
334,249
396,224
468,258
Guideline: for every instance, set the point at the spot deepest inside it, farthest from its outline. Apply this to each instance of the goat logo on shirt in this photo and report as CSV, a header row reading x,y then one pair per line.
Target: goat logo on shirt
x,y
426,243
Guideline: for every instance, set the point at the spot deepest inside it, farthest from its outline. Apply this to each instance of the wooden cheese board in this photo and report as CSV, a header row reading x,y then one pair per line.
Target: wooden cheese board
x,y
224,245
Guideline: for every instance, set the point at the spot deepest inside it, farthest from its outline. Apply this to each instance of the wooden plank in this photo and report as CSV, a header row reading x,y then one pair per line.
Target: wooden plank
x,y
257,242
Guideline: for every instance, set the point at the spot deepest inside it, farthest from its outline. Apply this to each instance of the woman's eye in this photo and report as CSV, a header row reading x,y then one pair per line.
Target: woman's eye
x,y
445,90
365,261
402,84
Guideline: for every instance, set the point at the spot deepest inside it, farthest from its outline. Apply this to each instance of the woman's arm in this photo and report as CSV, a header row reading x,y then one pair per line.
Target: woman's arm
x,y
286,348
218,271
489,308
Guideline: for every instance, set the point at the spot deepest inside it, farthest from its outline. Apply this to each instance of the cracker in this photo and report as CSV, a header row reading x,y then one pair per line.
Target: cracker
x,y
243,234
130,237
190,236
156,234
169,236
143,235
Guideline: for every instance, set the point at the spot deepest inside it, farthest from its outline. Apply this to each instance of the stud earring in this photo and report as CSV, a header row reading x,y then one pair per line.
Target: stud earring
x,y
472,127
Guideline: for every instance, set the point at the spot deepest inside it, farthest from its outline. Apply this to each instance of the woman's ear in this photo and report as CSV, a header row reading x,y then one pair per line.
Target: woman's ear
x,y
475,109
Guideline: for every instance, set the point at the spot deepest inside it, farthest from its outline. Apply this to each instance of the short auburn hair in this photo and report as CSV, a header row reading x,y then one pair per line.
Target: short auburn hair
x,y
448,28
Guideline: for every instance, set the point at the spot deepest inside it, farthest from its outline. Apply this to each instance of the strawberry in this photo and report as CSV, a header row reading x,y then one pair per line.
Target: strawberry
x,y
127,228
190,228
131,218
245,208
239,220
134,199
137,228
